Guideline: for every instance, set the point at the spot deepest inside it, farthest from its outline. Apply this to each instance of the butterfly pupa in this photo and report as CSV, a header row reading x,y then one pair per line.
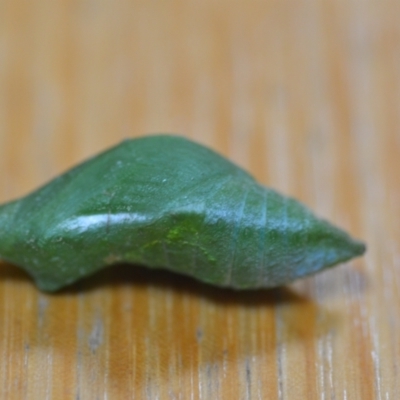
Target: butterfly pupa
x,y
166,202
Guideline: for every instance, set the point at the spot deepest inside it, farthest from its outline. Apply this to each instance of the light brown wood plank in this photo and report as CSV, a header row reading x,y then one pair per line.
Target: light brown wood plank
x,y
303,94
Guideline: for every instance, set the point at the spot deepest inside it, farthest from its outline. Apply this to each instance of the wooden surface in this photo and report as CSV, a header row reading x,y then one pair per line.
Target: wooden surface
x,y
306,96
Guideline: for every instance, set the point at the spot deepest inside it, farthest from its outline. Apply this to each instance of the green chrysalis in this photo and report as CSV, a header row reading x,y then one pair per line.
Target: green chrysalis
x,y
164,201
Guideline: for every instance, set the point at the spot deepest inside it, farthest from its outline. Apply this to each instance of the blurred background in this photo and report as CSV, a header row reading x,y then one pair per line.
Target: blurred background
x,y
303,94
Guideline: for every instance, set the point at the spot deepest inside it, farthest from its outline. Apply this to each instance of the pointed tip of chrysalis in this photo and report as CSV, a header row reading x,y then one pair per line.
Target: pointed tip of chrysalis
x,y
359,248
326,246
339,246
350,248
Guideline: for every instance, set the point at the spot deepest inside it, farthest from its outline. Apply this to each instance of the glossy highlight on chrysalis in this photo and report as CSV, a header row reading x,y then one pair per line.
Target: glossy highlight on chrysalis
x,y
166,202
